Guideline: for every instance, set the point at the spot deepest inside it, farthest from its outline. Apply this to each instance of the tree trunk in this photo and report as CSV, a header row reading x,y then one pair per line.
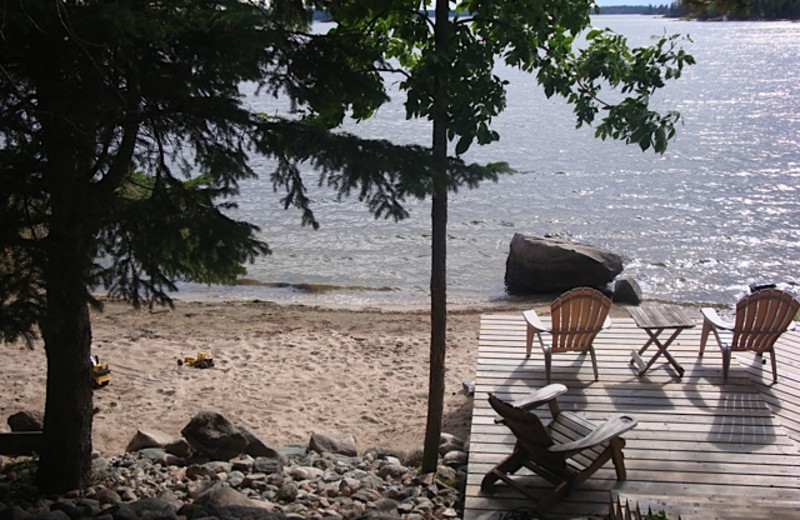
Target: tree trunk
x,y
65,458
436,381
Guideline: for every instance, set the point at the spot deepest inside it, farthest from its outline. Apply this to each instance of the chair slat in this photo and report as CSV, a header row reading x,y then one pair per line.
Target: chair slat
x,y
761,318
578,453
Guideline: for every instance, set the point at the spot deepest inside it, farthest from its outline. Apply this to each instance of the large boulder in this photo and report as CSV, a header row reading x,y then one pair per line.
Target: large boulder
x,y
212,434
256,447
551,265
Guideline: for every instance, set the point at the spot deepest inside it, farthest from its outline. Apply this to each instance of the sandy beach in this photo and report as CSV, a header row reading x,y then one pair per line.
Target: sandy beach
x,y
284,371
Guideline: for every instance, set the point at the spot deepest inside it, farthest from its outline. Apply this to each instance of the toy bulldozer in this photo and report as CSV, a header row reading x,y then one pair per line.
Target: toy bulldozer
x,y
101,374
202,360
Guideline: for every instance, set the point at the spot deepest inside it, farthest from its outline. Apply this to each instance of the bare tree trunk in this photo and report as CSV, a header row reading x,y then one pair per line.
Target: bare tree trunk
x,y
65,458
436,382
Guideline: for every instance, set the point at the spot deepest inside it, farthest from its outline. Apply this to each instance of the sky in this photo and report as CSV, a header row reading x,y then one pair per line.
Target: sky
x,y
602,3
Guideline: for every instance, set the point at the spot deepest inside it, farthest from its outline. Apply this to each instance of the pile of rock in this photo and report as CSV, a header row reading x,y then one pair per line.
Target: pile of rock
x,y
162,478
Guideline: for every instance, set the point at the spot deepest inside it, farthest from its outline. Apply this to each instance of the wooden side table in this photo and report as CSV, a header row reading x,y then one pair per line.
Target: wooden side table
x,y
655,319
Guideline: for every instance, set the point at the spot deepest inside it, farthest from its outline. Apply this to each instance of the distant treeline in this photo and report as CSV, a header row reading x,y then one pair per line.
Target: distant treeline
x,y
634,9
718,9
699,10
739,9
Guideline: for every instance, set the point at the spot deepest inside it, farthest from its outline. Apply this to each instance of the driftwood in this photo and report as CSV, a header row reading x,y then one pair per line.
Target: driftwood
x,y
20,443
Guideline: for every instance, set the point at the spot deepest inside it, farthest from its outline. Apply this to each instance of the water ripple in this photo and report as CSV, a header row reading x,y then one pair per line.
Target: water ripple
x,y
717,212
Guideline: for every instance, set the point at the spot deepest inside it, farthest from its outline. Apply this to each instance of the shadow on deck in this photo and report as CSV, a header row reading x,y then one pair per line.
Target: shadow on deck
x,y
703,449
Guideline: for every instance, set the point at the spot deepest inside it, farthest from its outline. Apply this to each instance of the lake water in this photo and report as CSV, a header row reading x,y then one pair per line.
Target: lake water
x,y
718,211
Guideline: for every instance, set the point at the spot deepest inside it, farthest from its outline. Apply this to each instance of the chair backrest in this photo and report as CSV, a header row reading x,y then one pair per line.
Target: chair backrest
x,y
761,318
529,431
578,316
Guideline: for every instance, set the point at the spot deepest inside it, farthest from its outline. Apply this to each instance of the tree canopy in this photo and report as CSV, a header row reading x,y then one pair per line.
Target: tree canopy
x,y
123,136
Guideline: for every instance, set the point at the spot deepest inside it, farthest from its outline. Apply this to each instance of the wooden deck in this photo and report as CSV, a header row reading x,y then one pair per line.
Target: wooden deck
x,y
703,449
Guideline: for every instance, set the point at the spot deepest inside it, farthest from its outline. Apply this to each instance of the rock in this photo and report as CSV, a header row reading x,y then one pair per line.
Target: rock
x,y
384,453
288,492
153,507
268,466
626,290
392,471
449,442
385,505
157,455
26,421
121,511
305,472
243,464
446,475
253,480
224,496
228,504
455,459
198,471
235,478
339,443
551,265
14,513
414,458
366,495
255,446
293,450
148,439
179,447
101,466
53,515
127,494
331,486
71,510
107,496
212,434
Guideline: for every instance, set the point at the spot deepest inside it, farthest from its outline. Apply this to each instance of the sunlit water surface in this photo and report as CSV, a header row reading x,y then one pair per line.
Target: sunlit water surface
x,y
718,211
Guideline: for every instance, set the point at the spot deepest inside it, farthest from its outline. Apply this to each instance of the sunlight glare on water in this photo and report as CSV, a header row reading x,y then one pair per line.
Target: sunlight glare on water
x,y
718,211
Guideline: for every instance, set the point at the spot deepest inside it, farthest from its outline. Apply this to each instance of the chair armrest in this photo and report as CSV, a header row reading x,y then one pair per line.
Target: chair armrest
x,y
711,316
533,320
610,429
539,397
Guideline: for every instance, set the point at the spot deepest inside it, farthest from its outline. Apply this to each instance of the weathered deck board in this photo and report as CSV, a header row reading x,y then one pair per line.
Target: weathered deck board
x,y
703,448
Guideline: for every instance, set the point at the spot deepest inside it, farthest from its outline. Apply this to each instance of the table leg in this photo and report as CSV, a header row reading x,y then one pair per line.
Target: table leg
x,y
649,341
671,359
662,349
636,355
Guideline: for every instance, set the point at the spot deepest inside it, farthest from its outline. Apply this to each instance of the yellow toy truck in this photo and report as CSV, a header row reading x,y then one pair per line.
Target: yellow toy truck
x,y
202,360
101,374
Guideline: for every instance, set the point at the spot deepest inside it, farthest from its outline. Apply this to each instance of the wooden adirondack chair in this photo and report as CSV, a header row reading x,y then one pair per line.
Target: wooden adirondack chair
x,y
566,452
760,319
577,317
